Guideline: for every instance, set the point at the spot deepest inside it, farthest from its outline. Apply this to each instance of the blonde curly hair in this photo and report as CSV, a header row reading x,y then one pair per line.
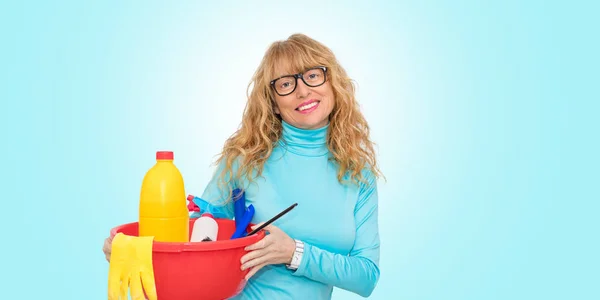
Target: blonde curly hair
x,y
348,132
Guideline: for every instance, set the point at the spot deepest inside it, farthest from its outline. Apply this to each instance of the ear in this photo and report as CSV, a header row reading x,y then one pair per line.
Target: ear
x,y
275,108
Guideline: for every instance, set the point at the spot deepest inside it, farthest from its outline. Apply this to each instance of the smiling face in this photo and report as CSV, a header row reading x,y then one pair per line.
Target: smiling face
x,y
306,103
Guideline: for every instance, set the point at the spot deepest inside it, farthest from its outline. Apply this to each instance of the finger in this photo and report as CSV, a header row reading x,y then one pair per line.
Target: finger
x,y
124,287
253,227
253,271
269,229
149,284
114,281
116,276
107,255
135,286
106,248
264,242
257,261
123,251
257,225
253,255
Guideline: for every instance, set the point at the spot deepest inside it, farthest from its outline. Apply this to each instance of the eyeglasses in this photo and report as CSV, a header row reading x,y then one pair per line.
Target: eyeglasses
x,y
287,84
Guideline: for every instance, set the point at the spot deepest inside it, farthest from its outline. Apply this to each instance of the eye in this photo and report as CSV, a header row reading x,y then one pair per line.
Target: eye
x,y
285,83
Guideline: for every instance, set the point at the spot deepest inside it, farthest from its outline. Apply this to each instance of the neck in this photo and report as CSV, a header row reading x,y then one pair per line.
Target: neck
x,y
306,142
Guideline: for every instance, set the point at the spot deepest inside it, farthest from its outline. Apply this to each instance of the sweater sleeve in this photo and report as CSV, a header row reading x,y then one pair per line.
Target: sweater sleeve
x,y
215,198
357,272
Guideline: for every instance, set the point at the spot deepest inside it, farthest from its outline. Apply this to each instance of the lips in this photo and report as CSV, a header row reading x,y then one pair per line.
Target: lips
x,y
307,104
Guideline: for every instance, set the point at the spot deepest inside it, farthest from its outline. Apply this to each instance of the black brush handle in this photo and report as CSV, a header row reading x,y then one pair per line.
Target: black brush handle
x,y
273,219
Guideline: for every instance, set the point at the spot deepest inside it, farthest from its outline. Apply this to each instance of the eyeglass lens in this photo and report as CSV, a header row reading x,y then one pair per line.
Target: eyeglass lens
x,y
312,77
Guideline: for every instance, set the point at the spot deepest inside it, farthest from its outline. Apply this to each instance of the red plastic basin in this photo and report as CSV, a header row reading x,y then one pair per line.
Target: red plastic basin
x,y
201,270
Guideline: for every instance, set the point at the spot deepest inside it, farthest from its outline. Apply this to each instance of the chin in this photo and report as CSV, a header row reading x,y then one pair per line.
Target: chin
x,y
307,121
315,125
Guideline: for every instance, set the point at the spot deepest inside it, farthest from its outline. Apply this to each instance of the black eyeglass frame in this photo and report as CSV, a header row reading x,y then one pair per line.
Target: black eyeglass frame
x,y
301,76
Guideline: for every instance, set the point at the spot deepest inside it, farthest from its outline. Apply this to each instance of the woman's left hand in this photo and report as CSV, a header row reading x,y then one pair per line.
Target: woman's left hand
x,y
275,248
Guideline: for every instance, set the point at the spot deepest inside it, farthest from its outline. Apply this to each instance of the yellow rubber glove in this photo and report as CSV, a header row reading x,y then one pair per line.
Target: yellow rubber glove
x,y
131,268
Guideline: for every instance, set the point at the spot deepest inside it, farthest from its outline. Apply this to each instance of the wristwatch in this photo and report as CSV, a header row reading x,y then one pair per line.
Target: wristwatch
x,y
297,257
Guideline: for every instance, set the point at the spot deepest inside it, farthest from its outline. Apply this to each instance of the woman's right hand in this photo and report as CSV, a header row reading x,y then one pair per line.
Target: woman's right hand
x,y
107,247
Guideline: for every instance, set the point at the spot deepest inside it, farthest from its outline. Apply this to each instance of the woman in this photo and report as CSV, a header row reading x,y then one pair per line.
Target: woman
x,y
303,140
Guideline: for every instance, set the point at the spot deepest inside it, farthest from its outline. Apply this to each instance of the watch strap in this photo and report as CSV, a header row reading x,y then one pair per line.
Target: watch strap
x,y
297,256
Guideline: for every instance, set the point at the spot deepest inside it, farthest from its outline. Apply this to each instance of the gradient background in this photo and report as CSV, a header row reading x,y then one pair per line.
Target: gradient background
x,y
485,116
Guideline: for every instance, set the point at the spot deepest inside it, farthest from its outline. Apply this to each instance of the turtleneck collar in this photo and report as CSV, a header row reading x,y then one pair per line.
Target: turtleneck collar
x,y
306,142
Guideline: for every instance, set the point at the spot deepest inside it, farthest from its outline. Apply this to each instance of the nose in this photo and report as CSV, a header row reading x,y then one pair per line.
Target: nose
x,y
302,90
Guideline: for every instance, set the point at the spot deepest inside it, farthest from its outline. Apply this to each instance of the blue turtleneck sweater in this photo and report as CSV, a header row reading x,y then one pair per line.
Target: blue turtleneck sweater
x,y
338,223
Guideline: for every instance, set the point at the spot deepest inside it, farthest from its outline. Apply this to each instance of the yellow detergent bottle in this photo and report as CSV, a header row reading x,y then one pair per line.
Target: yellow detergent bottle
x,y
163,208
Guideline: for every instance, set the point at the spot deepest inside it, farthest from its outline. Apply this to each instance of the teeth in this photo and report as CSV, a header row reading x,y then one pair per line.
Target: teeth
x,y
305,107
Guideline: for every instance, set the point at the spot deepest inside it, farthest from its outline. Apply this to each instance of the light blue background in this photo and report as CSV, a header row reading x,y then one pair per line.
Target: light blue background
x,y
485,116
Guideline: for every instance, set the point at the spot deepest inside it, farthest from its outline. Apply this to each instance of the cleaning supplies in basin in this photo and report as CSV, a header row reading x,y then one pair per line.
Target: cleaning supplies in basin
x,y
205,229
243,215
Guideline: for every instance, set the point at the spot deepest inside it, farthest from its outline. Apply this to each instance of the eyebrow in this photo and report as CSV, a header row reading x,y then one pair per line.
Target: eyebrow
x,y
294,73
